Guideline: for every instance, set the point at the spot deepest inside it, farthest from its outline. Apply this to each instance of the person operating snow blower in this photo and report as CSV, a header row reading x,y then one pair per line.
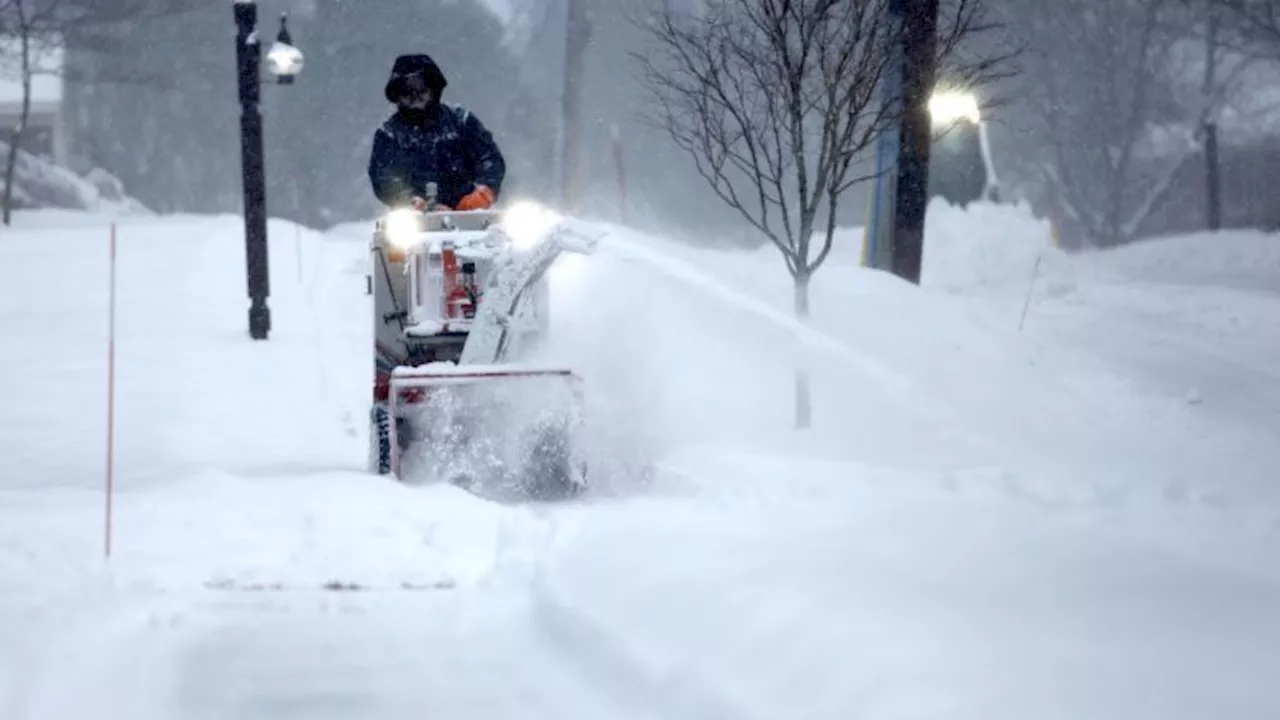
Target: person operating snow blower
x,y
428,141
459,306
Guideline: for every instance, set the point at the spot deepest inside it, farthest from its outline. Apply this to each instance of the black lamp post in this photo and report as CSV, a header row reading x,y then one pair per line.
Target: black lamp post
x,y
284,61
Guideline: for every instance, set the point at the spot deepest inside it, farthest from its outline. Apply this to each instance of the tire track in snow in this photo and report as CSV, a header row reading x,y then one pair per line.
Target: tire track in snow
x,y
151,653
646,684
662,687
188,655
658,686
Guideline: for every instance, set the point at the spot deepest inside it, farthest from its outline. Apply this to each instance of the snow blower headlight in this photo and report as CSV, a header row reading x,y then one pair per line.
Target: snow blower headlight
x,y
528,223
403,227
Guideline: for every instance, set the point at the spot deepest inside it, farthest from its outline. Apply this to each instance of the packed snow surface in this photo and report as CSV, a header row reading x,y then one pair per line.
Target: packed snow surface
x,y
1067,514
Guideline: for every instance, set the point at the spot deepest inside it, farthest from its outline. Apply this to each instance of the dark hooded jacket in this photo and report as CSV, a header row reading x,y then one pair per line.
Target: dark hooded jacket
x,y
444,144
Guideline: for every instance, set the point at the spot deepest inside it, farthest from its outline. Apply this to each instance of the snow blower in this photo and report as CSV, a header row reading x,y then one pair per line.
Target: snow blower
x,y
460,303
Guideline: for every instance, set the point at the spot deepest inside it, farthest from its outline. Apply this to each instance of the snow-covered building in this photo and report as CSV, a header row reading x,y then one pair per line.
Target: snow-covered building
x,y
46,133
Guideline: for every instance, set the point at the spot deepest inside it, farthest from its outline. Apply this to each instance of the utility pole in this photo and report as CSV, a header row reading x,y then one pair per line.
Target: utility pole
x,y
918,40
577,36
894,239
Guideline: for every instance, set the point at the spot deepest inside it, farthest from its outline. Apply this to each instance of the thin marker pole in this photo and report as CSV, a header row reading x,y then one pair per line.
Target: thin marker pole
x,y
1031,289
111,392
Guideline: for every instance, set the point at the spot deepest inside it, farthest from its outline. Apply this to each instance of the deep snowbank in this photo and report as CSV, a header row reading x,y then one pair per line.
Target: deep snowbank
x,y
1108,343
40,183
993,246
193,393
850,589
970,529
1237,259
240,495
998,525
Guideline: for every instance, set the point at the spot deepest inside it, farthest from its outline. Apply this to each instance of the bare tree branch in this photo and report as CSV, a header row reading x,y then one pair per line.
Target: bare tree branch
x,y
1111,83
40,26
775,101
1256,24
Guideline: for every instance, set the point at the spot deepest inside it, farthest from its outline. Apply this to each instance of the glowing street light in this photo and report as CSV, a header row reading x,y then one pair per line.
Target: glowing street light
x,y
949,106
284,60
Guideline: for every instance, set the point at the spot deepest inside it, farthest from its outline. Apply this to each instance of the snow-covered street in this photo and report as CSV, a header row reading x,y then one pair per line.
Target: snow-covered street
x,y
1078,520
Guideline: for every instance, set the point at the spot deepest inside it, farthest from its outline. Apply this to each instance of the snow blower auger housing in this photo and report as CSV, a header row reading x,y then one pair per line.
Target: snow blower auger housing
x,y
460,300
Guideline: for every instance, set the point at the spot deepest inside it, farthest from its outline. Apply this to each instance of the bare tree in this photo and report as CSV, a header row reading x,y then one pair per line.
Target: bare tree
x,y
1256,22
775,101
1121,94
26,22
577,39
1247,30
39,30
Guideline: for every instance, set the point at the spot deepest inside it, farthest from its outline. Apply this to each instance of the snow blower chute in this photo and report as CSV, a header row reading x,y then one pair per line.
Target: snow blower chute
x,y
460,303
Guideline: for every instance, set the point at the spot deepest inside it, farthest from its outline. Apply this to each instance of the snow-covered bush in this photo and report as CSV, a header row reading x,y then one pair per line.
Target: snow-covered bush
x,y
39,183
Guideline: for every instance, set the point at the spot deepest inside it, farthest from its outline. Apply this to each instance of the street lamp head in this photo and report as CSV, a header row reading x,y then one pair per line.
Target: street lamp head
x,y
949,106
284,61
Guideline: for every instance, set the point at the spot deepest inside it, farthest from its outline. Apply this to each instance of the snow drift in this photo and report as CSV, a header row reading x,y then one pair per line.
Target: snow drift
x,y
983,523
39,183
